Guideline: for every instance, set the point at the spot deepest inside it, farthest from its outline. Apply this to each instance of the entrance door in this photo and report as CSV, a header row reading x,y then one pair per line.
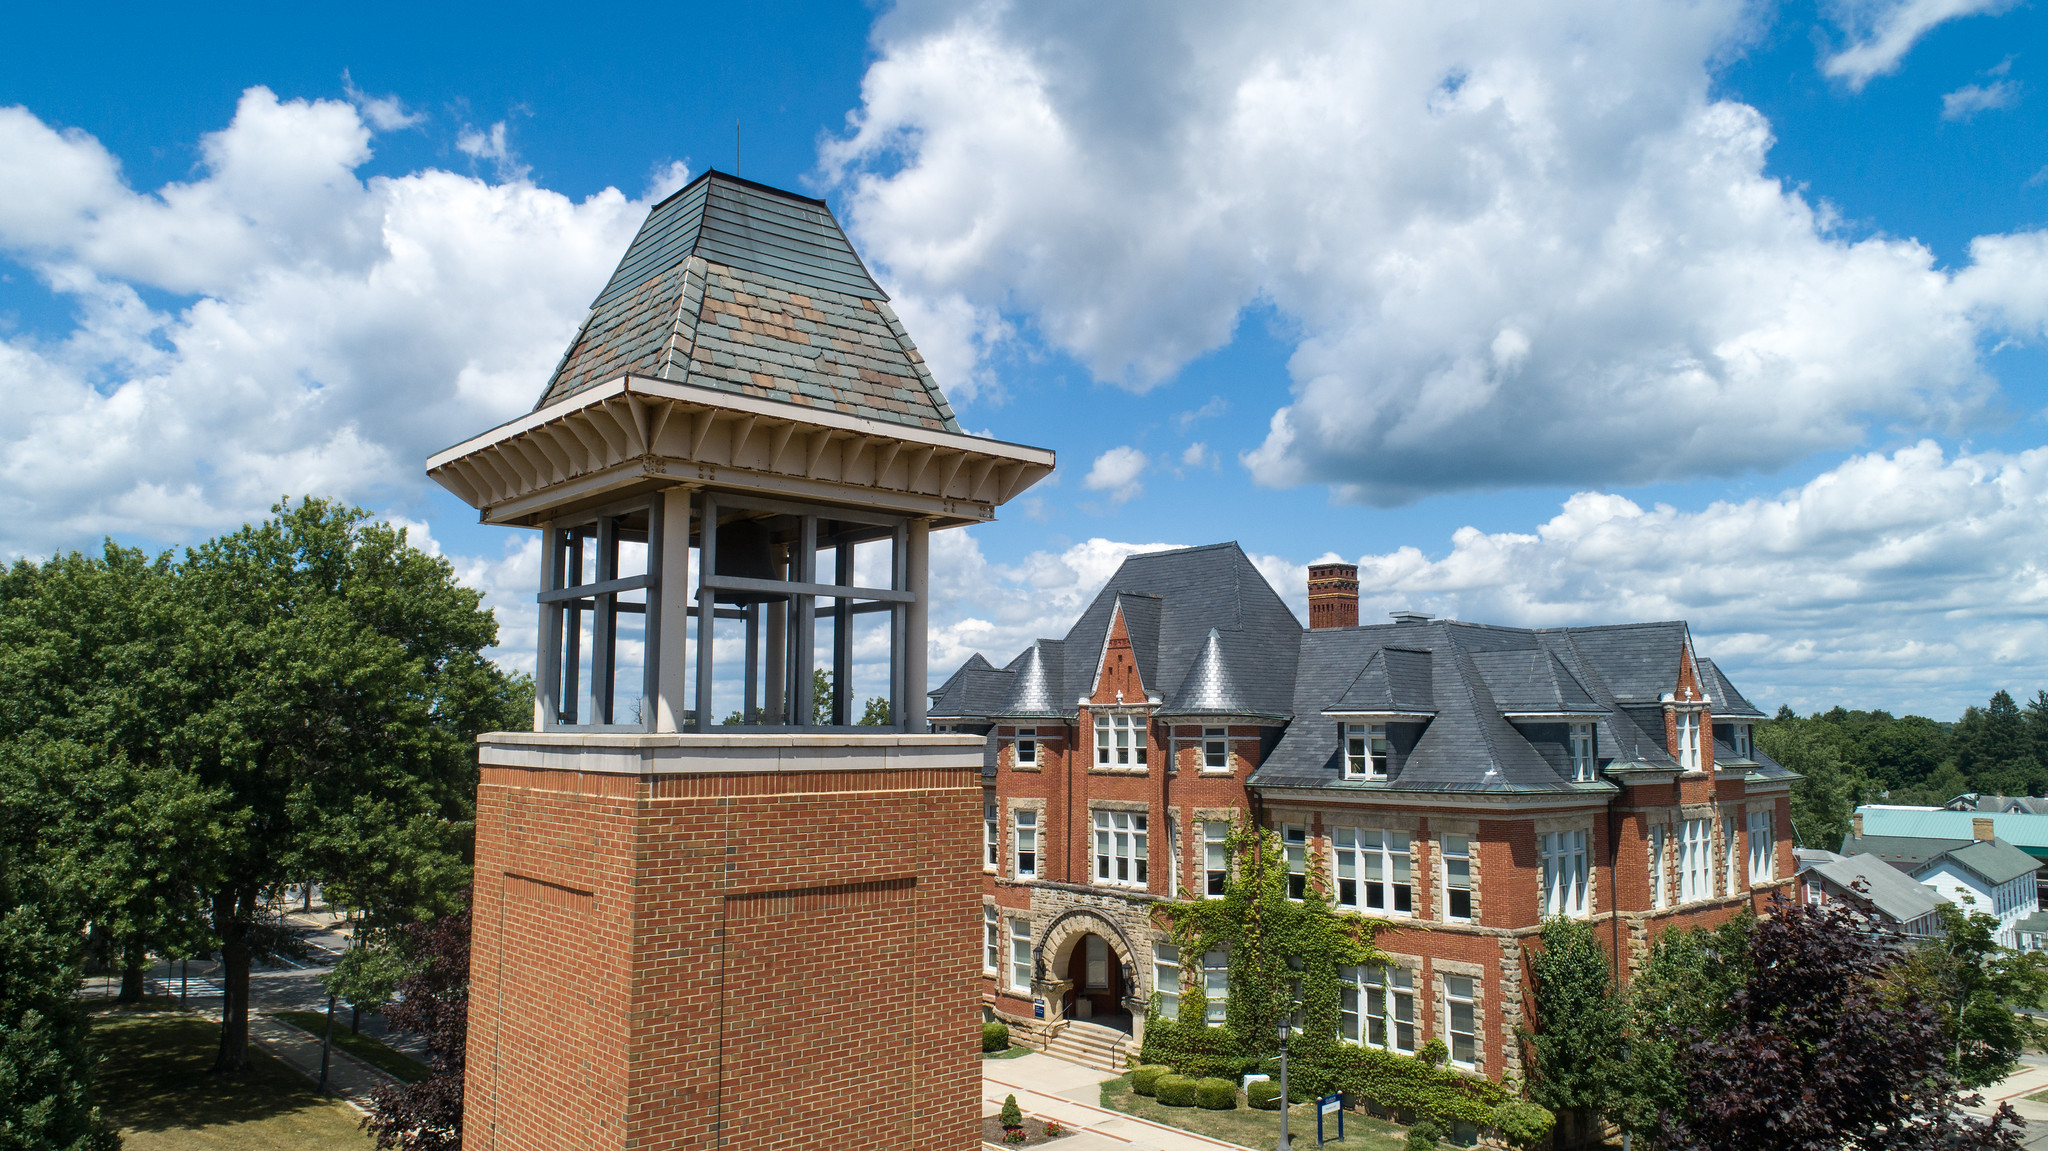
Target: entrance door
x,y
1098,980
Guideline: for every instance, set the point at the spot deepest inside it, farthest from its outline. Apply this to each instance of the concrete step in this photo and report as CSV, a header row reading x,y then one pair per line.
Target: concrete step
x,y
1103,1048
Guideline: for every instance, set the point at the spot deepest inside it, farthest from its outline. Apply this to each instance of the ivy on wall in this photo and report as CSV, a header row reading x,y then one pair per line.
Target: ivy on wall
x,y
1276,944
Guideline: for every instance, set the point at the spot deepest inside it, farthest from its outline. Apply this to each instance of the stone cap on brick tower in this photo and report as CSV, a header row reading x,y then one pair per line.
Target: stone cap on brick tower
x,y
1332,595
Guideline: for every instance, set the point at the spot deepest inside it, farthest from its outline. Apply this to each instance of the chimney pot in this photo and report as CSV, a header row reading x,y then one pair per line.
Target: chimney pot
x,y
1981,828
1332,595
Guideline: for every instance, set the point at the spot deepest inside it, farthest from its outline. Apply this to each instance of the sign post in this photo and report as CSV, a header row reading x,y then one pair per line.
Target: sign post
x,y
1329,1105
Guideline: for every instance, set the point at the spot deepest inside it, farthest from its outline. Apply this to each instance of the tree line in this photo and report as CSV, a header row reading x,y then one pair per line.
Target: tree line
x,y
1854,757
182,738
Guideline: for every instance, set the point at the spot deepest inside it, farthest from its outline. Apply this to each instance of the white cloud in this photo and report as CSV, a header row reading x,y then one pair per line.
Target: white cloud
x,y
998,609
492,144
1196,455
385,113
1971,99
336,330
1881,32
1119,472
1521,245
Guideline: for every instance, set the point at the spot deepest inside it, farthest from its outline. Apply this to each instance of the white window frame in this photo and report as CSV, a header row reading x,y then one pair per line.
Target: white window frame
x,y
1740,739
1365,751
1215,852
1565,873
1216,750
1462,991
1294,847
1763,847
1456,851
1695,860
991,940
1121,848
1347,869
1376,1008
1120,739
1020,955
1025,831
1580,743
992,836
1688,750
1172,856
1385,853
1026,748
1731,854
1660,890
1166,978
1215,987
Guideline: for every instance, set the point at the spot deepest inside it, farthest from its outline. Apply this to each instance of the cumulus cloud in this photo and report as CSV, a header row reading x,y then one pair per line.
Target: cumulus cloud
x,y
384,113
1118,472
1520,246
1971,99
997,609
492,144
1881,32
326,333
1196,455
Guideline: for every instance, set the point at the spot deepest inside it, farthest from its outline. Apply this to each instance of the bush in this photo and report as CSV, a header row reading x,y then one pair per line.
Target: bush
x,y
1146,1076
1174,1090
1013,1115
1054,1129
1216,1094
1270,1067
1263,1095
995,1037
1423,1136
1523,1124
1434,1053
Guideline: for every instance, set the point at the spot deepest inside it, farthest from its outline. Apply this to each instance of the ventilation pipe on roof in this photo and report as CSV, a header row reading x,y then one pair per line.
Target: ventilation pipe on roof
x,y
1332,595
1411,616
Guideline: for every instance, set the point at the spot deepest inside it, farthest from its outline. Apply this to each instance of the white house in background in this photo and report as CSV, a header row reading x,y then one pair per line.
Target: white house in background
x,y
1872,886
1991,876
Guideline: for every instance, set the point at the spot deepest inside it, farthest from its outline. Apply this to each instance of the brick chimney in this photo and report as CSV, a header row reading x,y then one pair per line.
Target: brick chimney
x,y
1332,595
1856,824
1980,828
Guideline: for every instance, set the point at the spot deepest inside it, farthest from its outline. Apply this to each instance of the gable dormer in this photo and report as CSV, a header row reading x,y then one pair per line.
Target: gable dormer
x,y
1688,715
1120,670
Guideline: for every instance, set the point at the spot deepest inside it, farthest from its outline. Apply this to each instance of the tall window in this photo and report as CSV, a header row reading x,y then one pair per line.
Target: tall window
x,y
1027,844
1462,1014
1166,978
1457,853
1365,751
1020,954
1695,859
1215,857
1372,869
1216,985
1215,749
991,835
1731,856
1739,737
1027,747
1659,896
1763,848
1120,740
1688,741
1565,872
1173,857
1294,842
1582,752
1120,848
1376,1008
991,941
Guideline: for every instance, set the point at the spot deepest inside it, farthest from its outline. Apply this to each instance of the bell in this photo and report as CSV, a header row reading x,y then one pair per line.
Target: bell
x,y
746,550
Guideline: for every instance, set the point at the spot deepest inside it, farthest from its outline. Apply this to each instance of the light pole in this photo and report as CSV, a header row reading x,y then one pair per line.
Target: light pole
x,y
1285,1145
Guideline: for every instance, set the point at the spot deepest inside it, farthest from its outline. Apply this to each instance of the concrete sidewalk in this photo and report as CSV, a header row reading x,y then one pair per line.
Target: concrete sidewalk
x,y
2030,1079
1050,1088
349,1078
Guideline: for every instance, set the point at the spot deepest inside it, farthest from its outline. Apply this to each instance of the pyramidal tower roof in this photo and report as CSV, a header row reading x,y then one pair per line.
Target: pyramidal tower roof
x,y
752,290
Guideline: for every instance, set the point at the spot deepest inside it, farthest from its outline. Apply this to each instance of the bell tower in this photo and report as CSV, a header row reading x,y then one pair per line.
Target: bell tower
x,y
727,887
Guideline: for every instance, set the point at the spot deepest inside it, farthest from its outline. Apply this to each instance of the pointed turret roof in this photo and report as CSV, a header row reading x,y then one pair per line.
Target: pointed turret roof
x,y
1037,689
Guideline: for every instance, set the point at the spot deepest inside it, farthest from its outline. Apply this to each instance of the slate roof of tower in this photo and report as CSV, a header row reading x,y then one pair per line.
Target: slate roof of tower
x,y
749,289
1728,703
977,689
1211,637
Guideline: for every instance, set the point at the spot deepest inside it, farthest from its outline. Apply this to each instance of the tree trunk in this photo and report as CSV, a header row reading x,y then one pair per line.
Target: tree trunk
x,y
355,1020
232,913
132,972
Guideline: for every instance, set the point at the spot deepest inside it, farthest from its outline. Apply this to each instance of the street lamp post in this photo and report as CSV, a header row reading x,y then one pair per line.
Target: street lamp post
x,y
1285,1145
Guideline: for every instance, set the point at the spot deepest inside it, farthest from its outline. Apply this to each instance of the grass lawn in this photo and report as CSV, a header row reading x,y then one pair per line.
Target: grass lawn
x,y
1013,1052
374,1052
156,1086
1251,1128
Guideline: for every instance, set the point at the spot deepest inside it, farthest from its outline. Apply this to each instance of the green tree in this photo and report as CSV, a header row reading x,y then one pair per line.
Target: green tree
x,y
876,713
1831,788
1576,1044
1976,984
821,697
1994,749
1678,998
338,683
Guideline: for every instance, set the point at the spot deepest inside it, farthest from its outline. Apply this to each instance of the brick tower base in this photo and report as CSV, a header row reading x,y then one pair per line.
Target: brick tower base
x,y
703,941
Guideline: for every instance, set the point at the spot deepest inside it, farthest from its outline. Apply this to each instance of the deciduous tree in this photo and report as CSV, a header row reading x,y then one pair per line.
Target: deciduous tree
x,y
433,1000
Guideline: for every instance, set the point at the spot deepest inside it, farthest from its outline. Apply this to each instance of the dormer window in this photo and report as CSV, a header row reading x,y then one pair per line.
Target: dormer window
x,y
1582,752
1027,747
1688,741
1365,751
1120,740
1739,737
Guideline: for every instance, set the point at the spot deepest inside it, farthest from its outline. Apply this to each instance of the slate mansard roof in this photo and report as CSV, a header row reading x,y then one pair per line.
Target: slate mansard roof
x,y
748,289
1469,707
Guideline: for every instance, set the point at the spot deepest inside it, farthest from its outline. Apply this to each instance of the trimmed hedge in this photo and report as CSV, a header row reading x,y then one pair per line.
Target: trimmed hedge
x,y
1216,1094
1174,1090
1523,1124
1423,1136
1263,1095
1146,1076
995,1037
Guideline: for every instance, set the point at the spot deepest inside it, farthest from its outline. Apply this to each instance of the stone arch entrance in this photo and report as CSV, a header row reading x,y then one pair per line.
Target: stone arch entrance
x,y
1089,971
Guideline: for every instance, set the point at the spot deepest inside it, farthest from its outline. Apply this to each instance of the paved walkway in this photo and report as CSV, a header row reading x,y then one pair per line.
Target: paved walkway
x,y
2030,1079
1051,1088
349,1078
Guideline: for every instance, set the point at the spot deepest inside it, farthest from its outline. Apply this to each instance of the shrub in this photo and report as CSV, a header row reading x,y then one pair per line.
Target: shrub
x,y
1014,1135
1423,1136
1013,1115
1523,1124
1054,1129
1264,1095
1216,1094
1270,1067
1434,1053
995,1037
1174,1090
1146,1076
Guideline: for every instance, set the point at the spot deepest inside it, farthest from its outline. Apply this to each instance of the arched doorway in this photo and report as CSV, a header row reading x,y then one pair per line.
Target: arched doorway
x,y
1089,975
1096,981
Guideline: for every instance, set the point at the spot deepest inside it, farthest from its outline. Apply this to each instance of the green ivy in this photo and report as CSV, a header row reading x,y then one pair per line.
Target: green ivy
x,y
1262,930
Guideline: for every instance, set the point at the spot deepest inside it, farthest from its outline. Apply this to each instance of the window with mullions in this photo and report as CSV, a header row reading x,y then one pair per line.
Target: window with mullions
x,y
1120,848
1215,749
1120,740
1731,854
1376,1008
992,836
991,941
1027,747
1216,986
1027,844
1294,842
1695,860
1688,750
1365,751
1373,870
1582,752
1457,853
1660,891
1565,872
1461,1010
1215,857
1763,848
1166,978
1020,955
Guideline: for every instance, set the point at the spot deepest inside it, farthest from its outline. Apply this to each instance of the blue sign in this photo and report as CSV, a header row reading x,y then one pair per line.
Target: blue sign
x,y
1329,1105
1038,1008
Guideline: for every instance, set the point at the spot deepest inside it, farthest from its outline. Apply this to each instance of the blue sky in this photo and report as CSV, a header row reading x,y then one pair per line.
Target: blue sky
x,y
1603,312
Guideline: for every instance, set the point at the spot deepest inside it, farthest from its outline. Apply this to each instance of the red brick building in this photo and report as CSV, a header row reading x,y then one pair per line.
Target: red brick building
x,y
1459,780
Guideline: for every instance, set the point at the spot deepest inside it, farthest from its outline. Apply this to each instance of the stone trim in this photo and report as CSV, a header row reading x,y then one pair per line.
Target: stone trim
x,y
1213,814
1410,822
1551,824
1119,805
